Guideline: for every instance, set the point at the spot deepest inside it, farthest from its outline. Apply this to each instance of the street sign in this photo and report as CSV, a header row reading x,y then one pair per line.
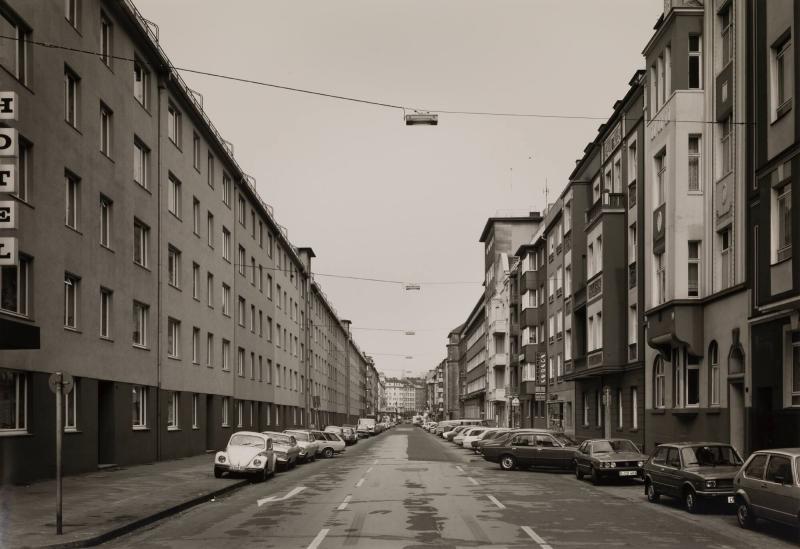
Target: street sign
x,y
515,402
8,214
8,251
67,382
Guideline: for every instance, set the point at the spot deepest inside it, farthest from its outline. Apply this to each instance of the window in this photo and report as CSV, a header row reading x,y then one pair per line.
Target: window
x,y
173,337
240,362
141,83
726,30
726,256
269,286
242,262
71,12
634,408
226,355
692,382
659,382
694,163
620,421
226,299
226,244
633,325
713,359
106,40
695,62
71,97
694,268
141,160
105,221
755,469
585,409
782,82
14,53
241,312
13,401
784,221
210,350
174,196
239,413
195,281
140,314
210,290
195,415
196,216
196,345
14,284
23,165
174,125
106,116
173,407
779,470
174,266
726,146
226,402
71,409
139,406
661,176
196,151
105,313
210,229
227,190
242,215
661,278
253,318
70,301
71,183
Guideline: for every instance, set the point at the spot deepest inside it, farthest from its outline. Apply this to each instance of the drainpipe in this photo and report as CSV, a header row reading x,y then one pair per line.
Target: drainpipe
x,y
159,281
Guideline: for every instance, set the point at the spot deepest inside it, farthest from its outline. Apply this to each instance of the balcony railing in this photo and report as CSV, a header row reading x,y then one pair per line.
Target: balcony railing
x,y
631,275
595,359
608,201
595,287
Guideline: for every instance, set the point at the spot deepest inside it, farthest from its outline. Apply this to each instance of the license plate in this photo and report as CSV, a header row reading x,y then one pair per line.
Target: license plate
x,y
731,499
627,473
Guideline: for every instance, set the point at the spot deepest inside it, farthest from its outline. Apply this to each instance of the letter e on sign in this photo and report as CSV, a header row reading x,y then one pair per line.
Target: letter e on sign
x,y
8,251
8,178
8,106
8,142
8,214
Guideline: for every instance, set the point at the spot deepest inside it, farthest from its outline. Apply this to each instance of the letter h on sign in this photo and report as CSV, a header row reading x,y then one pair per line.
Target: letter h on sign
x,y
8,106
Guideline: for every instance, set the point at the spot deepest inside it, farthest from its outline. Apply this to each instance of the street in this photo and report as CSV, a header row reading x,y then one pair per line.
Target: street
x,y
407,488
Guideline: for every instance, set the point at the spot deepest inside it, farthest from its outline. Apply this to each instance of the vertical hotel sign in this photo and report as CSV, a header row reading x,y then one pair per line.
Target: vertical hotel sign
x,y
9,150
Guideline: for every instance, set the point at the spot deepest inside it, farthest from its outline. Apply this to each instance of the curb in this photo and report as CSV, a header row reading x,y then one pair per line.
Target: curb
x,y
144,521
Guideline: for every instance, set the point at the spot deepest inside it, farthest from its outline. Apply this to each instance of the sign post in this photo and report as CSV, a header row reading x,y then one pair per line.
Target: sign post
x,y
61,384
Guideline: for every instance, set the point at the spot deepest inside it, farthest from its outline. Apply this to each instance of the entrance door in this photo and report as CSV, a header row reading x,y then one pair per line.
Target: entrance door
x,y
606,412
736,409
105,423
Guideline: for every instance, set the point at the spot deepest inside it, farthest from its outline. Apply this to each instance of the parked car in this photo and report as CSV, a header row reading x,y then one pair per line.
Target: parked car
x,y
286,449
349,434
614,458
249,453
468,435
768,487
309,448
431,426
335,429
331,443
491,436
695,472
532,448
451,434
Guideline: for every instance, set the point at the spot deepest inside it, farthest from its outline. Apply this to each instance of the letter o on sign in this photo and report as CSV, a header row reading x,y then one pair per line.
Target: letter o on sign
x,y
8,142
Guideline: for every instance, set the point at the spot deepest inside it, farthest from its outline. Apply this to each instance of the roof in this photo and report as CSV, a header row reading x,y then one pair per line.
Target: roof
x,y
532,217
795,452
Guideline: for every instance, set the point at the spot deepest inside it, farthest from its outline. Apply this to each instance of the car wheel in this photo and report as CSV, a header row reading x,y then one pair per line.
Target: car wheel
x,y
690,501
595,476
578,472
217,472
744,515
508,463
652,495
328,453
292,464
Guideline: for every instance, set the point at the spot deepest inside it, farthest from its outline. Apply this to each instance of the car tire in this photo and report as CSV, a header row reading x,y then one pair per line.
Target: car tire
x,y
263,475
744,515
217,472
508,463
328,453
595,476
650,491
578,472
690,501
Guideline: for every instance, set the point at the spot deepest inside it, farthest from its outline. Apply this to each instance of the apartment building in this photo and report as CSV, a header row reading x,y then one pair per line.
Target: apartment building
x,y
607,320
473,394
772,380
453,377
405,396
156,275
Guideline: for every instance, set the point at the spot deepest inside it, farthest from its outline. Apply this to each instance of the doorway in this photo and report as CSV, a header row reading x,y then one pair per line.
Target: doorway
x,y
736,410
105,423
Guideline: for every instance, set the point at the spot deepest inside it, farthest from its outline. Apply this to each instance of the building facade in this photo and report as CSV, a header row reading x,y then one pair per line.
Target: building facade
x,y
156,274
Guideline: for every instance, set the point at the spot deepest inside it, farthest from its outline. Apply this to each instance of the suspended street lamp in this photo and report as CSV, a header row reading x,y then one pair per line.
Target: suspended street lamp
x,y
422,118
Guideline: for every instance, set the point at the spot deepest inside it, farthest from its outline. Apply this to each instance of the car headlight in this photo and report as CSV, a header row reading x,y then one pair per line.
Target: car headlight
x,y
711,484
221,459
613,464
640,464
257,462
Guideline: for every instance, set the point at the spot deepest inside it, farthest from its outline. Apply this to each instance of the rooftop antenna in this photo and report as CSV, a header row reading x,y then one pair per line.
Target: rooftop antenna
x,y
546,202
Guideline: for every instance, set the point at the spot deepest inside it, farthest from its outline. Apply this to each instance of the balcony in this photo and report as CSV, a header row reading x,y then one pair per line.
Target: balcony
x,y
594,359
594,288
496,394
498,326
608,202
498,360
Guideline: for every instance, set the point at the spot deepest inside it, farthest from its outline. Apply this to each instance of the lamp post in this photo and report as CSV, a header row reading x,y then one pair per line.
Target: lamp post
x,y
514,410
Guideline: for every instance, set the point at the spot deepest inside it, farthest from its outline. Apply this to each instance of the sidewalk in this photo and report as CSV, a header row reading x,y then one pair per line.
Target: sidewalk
x,y
102,505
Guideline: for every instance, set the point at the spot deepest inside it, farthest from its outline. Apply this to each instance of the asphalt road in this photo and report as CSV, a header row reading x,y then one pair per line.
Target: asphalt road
x,y
406,488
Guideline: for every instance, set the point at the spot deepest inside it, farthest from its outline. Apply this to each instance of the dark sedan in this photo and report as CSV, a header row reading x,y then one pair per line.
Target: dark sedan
x,y
611,458
540,448
695,472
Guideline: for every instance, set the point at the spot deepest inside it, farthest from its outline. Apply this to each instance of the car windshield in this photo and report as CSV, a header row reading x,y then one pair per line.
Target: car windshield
x,y
609,446
247,440
281,439
564,439
704,456
299,436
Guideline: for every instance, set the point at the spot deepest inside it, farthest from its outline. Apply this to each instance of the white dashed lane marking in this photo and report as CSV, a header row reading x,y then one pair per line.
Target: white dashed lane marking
x,y
317,540
473,481
536,537
359,483
343,505
496,502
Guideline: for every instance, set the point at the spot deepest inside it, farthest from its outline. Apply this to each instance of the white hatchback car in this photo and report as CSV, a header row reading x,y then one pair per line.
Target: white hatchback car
x,y
331,443
248,453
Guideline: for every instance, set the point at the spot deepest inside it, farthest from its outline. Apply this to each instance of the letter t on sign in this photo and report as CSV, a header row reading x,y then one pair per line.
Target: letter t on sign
x,y
8,180
8,106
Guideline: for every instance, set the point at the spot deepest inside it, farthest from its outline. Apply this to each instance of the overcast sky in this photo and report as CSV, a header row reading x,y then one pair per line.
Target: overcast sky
x,y
378,199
